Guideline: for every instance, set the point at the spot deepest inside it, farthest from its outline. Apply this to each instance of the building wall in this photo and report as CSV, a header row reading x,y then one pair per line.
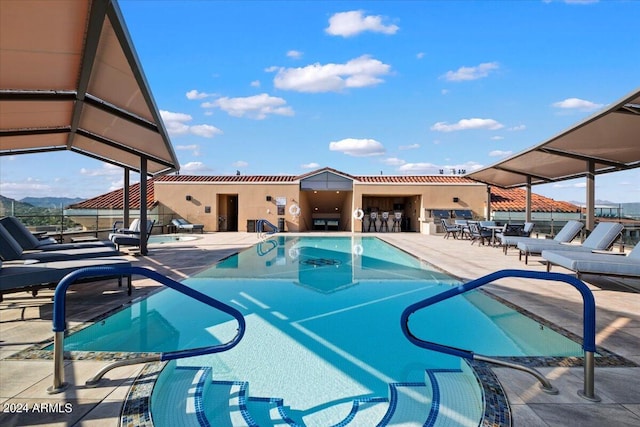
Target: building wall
x,y
205,206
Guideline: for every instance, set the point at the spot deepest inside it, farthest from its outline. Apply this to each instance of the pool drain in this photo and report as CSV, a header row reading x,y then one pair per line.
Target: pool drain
x,y
320,262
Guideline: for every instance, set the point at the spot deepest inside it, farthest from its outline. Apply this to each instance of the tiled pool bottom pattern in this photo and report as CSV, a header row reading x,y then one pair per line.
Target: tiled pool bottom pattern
x,y
137,407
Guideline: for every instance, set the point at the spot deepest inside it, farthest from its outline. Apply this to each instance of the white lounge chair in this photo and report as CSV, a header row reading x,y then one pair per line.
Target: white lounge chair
x,y
183,224
601,238
130,239
596,263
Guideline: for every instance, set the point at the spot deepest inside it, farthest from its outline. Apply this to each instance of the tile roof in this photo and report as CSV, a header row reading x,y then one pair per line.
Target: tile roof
x,y
415,179
115,199
514,199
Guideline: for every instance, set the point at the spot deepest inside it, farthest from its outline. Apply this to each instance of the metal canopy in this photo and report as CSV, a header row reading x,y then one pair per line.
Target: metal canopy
x,y
608,141
71,80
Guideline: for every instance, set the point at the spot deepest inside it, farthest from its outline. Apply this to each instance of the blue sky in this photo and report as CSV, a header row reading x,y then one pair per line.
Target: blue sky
x,y
374,87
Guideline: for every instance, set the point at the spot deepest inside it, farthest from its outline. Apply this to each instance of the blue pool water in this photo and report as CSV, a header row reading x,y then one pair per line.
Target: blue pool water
x,y
323,325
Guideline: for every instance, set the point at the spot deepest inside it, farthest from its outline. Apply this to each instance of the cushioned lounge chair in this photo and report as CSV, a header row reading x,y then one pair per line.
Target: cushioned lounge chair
x,y
596,263
478,234
28,276
565,235
130,239
512,234
134,228
183,225
10,250
29,242
601,238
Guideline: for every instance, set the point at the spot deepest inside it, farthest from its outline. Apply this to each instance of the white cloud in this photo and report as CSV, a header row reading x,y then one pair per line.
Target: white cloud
x,y
256,106
255,83
348,24
295,54
312,165
471,73
497,138
517,128
394,161
194,94
420,55
107,169
240,164
577,104
194,148
206,131
359,72
176,124
570,185
194,168
409,147
500,153
466,124
358,147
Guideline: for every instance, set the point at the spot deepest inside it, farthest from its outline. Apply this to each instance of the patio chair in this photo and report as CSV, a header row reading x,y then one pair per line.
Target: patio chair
x,y
565,235
513,233
614,265
183,224
601,238
131,239
464,228
10,250
134,228
33,276
477,233
29,242
449,229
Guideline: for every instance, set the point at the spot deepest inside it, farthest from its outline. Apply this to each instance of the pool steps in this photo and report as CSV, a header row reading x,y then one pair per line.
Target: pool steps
x,y
447,397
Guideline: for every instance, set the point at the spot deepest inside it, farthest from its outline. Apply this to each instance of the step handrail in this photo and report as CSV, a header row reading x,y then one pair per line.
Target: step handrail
x,y
59,320
589,321
260,228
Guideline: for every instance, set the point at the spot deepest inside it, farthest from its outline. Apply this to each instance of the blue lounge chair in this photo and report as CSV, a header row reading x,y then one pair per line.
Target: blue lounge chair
x,y
183,224
601,238
511,235
596,263
16,276
130,238
29,242
10,250
565,235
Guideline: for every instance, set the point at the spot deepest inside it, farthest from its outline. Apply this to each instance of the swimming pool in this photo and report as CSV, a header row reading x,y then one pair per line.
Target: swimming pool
x,y
323,344
170,238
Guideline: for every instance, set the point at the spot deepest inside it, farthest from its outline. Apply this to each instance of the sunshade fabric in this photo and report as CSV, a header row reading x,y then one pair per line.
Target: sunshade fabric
x,y
610,138
71,80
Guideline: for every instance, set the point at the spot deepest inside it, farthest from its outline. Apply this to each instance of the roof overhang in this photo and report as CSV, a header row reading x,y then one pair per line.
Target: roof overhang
x,y
608,141
70,80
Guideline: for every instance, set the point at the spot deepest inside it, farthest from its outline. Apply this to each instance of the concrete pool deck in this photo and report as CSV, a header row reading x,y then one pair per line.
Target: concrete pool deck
x,y
26,321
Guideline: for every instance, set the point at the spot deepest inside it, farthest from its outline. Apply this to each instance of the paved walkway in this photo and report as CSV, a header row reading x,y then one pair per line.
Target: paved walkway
x,y
26,321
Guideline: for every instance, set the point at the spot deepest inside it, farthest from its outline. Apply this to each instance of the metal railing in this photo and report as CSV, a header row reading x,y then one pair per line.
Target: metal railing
x,y
260,228
589,326
59,322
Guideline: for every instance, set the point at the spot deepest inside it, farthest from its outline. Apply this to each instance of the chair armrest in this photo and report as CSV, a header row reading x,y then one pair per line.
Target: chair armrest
x,y
600,251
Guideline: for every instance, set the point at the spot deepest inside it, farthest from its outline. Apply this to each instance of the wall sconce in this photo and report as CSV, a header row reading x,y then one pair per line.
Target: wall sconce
x,y
455,200
188,198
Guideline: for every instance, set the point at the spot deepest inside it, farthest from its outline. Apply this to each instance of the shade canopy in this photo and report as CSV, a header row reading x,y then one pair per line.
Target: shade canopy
x,y
70,80
608,141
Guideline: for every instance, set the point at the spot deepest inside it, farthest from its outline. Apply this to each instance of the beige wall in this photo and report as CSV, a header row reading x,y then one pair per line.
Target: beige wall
x,y
252,203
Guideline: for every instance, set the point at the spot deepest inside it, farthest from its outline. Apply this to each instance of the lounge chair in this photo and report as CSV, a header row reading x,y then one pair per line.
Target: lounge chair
x,y
183,224
601,238
29,242
512,234
596,263
134,228
130,239
10,250
30,276
565,235
450,230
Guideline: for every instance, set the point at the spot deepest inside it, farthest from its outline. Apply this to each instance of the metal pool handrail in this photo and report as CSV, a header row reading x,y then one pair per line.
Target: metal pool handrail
x,y
59,321
260,228
589,325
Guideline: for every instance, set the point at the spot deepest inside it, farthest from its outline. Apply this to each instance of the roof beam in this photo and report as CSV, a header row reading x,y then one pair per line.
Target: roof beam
x,y
556,152
517,172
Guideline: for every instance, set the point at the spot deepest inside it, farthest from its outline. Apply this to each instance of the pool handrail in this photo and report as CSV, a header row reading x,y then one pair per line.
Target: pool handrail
x,y
589,323
260,228
59,320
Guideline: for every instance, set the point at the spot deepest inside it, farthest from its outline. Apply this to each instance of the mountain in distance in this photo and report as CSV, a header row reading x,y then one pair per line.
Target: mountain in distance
x,y
51,202
629,210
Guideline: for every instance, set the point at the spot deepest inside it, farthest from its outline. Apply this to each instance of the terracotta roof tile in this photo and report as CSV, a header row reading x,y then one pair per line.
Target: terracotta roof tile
x,y
115,199
514,199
